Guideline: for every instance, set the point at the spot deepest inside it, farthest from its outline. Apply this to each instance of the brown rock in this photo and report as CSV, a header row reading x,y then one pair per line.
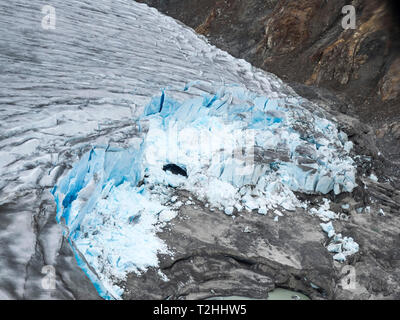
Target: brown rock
x,y
389,88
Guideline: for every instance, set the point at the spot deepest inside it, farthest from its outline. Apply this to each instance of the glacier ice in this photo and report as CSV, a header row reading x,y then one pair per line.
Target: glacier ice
x,y
328,228
111,222
83,90
234,150
286,148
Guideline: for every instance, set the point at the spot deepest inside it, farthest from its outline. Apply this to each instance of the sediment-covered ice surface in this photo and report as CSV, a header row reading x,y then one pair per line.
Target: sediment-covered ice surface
x,y
234,150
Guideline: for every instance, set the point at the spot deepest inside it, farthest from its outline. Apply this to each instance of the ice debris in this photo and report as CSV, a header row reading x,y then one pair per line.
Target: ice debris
x,y
324,212
240,149
373,177
328,228
232,149
343,247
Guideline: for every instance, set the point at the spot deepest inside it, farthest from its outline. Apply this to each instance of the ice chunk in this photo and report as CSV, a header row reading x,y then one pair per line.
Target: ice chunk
x,y
346,206
373,177
328,228
339,257
335,247
343,247
167,215
324,185
263,210
324,212
229,211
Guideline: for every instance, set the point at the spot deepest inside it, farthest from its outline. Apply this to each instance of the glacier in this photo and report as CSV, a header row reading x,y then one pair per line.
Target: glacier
x,y
234,150
73,121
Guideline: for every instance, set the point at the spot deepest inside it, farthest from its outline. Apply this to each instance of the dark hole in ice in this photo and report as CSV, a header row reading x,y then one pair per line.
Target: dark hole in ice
x,y
134,219
173,168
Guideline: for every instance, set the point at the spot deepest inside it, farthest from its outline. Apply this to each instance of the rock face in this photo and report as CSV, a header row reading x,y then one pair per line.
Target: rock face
x,y
304,41
389,86
234,26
